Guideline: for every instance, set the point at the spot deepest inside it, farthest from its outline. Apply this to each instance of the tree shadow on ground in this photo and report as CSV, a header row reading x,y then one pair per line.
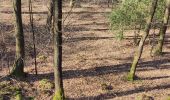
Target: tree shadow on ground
x,y
77,39
114,69
103,70
111,95
75,29
154,78
92,23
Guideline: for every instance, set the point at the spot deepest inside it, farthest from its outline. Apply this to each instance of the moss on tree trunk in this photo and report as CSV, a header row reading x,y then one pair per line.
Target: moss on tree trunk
x,y
58,95
131,74
16,71
59,91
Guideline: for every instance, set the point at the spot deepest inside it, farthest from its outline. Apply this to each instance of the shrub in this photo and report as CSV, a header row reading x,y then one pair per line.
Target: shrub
x,y
133,13
45,84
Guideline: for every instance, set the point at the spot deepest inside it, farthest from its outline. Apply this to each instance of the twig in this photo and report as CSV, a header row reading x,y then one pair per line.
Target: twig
x,y
69,13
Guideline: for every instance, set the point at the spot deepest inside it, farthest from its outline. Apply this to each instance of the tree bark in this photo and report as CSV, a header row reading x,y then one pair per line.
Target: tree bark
x,y
18,68
159,46
33,35
59,91
50,14
75,3
72,3
138,53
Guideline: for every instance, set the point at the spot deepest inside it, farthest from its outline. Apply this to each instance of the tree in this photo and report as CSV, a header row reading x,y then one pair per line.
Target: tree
x,y
158,50
136,17
75,3
50,13
131,74
59,91
18,68
137,13
33,35
72,2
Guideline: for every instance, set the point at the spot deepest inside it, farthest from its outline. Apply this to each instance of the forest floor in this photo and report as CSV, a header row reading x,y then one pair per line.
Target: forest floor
x,y
94,62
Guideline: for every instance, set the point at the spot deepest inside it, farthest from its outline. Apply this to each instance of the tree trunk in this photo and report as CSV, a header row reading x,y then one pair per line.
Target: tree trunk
x,y
158,50
50,14
33,35
72,3
138,52
75,3
59,91
18,68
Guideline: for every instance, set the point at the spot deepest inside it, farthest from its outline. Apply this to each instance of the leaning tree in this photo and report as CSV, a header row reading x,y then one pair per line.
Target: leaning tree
x,y
138,53
163,29
140,18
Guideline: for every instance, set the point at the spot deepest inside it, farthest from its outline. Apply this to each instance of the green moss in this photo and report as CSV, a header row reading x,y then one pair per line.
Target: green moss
x,y
144,97
6,88
18,95
1,97
168,98
4,84
45,84
130,77
131,74
14,88
58,95
42,57
105,86
157,52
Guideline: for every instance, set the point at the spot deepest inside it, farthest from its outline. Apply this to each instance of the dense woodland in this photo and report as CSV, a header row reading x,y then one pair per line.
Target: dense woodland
x,y
84,50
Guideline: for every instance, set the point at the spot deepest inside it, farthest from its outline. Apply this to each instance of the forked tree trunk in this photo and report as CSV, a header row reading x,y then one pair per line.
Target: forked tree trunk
x,y
59,91
18,68
158,49
139,50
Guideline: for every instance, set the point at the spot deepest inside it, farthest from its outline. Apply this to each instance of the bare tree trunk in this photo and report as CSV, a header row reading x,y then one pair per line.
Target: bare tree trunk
x,y
111,2
159,46
75,3
18,69
50,14
59,91
72,3
33,36
138,52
